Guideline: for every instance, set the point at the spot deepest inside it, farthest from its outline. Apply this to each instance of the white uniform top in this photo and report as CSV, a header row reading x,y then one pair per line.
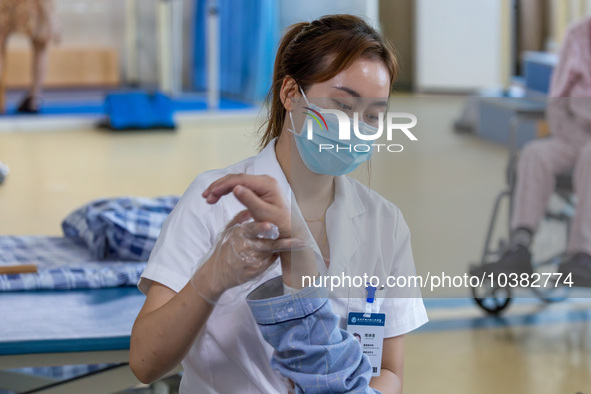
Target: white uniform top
x,y
230,355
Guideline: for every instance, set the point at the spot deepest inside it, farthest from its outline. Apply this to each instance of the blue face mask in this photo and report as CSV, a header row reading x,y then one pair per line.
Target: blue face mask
x,y
332,161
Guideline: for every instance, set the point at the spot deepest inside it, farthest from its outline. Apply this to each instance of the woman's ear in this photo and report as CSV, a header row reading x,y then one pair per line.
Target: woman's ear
x,y
288,92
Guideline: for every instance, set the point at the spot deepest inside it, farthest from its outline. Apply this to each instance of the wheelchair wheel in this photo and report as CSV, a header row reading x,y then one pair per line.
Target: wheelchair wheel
x,y
550,296
492,300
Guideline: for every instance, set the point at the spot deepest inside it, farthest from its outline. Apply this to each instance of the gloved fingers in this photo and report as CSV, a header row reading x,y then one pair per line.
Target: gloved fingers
x,y
254,268
279,245
290,244
261,230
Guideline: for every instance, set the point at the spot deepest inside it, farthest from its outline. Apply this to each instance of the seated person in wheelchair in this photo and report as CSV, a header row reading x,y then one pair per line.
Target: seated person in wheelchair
x,y
569,147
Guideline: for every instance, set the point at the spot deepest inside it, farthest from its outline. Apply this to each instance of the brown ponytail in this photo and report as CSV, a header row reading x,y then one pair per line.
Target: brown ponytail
x,y
303,53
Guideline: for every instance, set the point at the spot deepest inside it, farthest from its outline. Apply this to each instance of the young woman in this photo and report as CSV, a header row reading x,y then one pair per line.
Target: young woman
x,y
198,265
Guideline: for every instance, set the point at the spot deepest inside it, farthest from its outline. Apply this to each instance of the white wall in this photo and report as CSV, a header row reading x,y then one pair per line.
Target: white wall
x,y
85,23
307,10
459,45
88,23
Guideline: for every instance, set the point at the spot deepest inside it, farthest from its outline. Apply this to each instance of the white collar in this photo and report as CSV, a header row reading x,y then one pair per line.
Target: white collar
x,y
346,194
266,163
347,204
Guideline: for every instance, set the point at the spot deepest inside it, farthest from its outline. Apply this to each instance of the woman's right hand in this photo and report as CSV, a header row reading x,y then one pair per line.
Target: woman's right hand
x,y
243,251
260,194
265,202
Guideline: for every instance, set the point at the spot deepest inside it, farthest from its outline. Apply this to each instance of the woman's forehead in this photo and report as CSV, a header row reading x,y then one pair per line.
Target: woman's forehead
x,y
365,78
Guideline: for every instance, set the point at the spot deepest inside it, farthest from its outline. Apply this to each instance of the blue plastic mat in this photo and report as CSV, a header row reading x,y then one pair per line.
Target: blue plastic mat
x,y
96,106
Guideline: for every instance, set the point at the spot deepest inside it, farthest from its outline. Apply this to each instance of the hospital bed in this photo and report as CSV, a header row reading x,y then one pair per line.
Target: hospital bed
x,y
78,309
72,327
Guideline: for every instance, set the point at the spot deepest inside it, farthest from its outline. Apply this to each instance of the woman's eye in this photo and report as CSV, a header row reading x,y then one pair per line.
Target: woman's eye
x,y
344,107
372,119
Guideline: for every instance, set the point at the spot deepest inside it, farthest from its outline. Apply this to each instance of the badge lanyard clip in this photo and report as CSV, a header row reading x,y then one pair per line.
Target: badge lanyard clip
x,y
370,305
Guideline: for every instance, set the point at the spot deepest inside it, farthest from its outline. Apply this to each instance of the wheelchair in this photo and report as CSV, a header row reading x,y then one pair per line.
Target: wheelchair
x,y
547,252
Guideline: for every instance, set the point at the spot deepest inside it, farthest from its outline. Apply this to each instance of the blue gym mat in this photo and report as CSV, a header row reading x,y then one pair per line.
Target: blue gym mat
x,y
95,106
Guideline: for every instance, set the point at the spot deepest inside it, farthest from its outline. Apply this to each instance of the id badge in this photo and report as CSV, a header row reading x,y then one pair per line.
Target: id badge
x,y
368,329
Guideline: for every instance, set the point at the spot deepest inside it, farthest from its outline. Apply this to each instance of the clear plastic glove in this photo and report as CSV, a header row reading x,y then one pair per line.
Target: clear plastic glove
x,y
242,252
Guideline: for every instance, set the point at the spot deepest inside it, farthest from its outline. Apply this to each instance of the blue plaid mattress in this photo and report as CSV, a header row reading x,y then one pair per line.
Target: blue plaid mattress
x,y
62,263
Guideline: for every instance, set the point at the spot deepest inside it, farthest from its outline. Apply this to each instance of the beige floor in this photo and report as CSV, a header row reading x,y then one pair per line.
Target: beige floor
x,y
444,183
550,359
51,173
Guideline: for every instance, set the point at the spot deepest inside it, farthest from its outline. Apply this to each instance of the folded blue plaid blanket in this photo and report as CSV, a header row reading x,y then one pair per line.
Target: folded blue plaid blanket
x,y
62,263
107,244
119,228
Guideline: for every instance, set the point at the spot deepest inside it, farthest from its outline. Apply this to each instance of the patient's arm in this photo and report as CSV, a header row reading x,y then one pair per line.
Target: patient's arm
x,y
310,349
580,108
570,71
569,68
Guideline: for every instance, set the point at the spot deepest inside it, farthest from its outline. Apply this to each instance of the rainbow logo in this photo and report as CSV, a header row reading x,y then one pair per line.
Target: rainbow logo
x,y
316,118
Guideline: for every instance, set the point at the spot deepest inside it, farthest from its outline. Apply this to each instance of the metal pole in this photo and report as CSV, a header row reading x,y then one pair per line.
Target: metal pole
x,y
177,47
131,49
164,46
213,54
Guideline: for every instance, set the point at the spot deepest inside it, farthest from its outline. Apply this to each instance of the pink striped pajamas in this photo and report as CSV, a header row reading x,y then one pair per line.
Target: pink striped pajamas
x,y
569,119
